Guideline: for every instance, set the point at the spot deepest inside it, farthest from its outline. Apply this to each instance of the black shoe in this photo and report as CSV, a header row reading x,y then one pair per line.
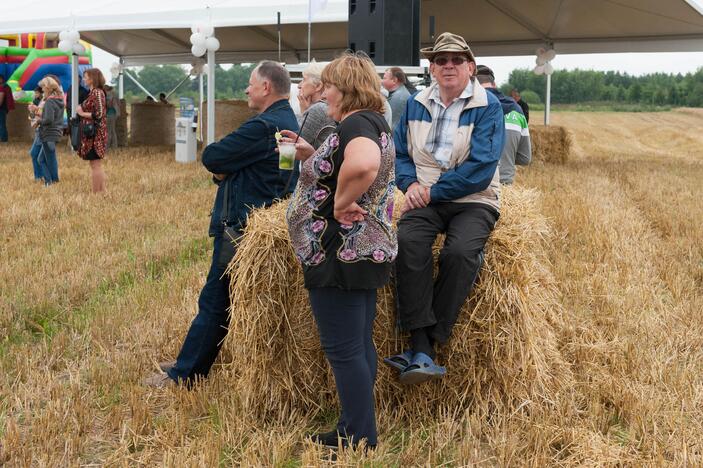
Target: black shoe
x,y
335,440
331,439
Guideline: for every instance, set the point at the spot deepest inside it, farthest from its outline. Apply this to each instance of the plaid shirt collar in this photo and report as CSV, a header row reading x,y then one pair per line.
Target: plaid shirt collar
x,y
465,94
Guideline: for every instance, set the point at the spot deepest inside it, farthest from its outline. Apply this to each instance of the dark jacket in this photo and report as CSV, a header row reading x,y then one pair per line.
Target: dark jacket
x,y
51,124
248,155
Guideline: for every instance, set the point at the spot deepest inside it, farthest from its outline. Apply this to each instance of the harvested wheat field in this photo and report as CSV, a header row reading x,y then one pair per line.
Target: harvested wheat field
x,y
97,289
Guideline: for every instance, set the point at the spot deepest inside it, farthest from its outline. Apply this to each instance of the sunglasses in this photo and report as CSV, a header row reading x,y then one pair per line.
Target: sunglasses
x,y
456,60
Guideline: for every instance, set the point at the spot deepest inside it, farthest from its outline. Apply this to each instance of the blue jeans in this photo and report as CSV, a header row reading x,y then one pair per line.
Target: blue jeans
x,y
345,324
48,162
3,125
34,153
209,327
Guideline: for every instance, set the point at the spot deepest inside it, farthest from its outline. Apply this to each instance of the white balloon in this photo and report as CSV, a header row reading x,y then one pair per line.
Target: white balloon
x,y
78,49
207,29
198,39
212,43
540,60
548,69
540,52
73,35
550,54
65,46
539,69
198,50
63,36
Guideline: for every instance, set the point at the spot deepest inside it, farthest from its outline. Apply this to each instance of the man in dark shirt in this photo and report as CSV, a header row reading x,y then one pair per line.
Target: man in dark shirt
x,y
244,165
6,105
523,105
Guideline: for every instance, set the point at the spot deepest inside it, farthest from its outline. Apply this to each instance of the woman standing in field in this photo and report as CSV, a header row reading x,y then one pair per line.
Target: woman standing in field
x,y
340,227
50,128
94,110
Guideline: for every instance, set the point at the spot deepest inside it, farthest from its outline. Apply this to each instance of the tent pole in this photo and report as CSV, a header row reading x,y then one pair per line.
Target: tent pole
x,y
548,100
200,106
120,81
187,77
74,84
139,84
210,96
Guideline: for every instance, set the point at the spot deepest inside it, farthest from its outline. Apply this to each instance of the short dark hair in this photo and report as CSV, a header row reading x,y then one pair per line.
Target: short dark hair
x,y
274,73
162,95
485,74
399,75
38,89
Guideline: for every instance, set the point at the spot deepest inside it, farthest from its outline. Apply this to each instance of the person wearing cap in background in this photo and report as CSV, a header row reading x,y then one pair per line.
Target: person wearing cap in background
x,y
448,144
394,81
517,149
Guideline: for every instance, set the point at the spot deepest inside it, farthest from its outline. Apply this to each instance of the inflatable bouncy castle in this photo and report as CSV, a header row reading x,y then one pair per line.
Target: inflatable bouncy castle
x,y
29,57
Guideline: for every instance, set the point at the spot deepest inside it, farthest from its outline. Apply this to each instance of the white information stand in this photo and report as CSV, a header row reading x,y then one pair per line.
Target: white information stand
x,y
185,140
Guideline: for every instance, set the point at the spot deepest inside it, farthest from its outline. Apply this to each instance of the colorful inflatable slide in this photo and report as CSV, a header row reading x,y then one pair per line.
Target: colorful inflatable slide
x,y
29,57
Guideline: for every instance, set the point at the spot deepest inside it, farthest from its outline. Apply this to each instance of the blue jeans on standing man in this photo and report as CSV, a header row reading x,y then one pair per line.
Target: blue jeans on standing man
x,y
47,161
209,327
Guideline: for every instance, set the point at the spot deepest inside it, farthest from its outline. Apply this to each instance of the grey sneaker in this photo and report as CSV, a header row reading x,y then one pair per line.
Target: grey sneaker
x,y
167,366
159,381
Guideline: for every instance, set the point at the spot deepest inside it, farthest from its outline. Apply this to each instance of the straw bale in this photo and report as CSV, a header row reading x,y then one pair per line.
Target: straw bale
x,y
18,127
121,124
229,115
152,124
503,353
550,143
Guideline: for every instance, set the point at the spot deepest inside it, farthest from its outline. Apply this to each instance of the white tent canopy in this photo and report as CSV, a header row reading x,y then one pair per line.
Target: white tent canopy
x,y
157,31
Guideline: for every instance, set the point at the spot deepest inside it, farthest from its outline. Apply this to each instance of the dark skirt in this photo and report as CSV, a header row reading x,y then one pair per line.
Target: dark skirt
x,y
91,156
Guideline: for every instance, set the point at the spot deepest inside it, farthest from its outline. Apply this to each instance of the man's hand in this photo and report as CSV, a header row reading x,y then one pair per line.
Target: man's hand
x,y
416,196
219,177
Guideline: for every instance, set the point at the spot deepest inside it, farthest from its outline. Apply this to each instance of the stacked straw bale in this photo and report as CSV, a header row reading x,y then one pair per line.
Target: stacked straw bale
x,y
121,124
229,115
550,143
18,127
152,124
503,353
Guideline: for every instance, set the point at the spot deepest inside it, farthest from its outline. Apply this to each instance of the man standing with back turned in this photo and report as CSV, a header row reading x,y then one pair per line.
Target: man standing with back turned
x,y
448,145
244,165
517,149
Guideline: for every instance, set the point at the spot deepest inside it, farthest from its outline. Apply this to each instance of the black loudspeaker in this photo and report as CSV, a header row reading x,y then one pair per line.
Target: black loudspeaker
x,y
387,30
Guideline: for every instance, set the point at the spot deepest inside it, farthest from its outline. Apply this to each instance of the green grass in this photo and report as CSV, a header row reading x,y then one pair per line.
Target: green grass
x,y
602,107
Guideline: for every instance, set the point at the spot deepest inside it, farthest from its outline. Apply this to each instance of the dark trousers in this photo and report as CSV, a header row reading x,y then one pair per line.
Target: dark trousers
x,y
209,327
3,125
436,306
345,324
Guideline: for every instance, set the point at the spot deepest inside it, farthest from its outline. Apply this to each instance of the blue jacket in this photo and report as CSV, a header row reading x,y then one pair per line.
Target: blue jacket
x,y
249,158
477,145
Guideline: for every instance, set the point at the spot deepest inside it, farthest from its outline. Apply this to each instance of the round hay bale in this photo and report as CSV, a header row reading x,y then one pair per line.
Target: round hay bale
x,y
550,143
18,128
152,124
121,124
503,353
229,115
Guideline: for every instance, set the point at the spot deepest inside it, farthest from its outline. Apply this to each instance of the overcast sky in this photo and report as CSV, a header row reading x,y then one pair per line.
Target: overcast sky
x,y
635,64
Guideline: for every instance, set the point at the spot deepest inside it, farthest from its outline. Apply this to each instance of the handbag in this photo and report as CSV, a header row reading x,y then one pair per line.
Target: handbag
x,y
75,133
231,234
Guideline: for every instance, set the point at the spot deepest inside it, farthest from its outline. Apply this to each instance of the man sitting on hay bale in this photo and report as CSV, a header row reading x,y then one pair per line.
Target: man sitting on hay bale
x,y
448,144
245,167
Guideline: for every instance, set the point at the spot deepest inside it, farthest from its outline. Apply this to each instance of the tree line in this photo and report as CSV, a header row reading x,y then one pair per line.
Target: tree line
x,y
568,86
580,86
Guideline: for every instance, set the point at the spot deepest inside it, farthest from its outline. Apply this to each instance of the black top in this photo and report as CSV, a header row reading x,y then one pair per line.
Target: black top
x,y
525,109
356,256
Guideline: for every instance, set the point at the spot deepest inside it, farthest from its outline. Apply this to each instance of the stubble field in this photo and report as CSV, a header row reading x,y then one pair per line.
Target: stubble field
x,y
95,290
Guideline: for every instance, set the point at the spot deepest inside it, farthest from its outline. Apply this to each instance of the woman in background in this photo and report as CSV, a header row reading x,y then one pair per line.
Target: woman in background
x,y
50,128
113,112
318,124
94,110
